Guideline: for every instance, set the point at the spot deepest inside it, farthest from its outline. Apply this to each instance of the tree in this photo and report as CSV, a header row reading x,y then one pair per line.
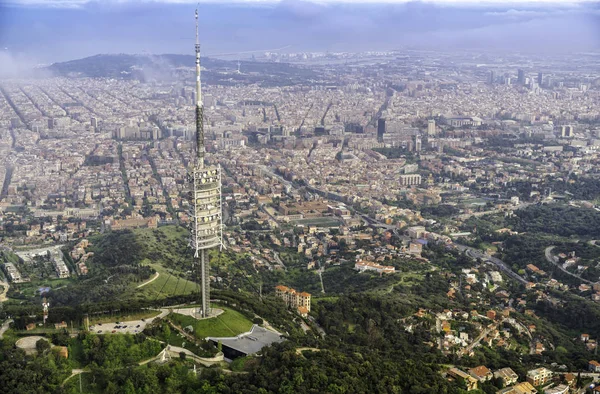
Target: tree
x,y
42,345
182,356
167,332
129,387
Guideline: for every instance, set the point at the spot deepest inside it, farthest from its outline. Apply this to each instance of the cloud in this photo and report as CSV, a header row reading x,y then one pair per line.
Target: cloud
x,y
86,28
15,65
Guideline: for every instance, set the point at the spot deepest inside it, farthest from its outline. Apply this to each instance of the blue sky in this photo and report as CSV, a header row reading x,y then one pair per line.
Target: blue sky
x,y
57,30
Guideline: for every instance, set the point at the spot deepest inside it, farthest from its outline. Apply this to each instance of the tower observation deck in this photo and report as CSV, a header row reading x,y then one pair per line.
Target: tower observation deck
x,y
205,195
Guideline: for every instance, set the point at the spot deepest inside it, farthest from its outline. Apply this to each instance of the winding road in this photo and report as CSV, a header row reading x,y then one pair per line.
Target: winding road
x,y
554,260
478,254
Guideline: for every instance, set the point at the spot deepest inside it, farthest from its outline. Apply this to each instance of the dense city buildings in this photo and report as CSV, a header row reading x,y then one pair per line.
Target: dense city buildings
x,y
361,178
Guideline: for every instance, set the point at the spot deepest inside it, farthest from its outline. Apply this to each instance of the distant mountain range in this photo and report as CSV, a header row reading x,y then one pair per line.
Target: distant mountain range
x,y
173,67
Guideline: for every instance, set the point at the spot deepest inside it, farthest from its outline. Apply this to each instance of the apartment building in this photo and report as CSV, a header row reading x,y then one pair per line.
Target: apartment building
x,y
294,299
539,376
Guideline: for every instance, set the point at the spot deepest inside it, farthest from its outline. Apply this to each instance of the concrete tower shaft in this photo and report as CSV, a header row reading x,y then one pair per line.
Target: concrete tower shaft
x,y
205,194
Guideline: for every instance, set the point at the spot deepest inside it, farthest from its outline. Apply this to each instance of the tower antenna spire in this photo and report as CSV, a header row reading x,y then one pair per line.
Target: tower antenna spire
x,y
206,208
199,104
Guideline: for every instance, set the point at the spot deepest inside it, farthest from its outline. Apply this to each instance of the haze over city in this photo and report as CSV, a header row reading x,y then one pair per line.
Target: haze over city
x,y
50,31
299,196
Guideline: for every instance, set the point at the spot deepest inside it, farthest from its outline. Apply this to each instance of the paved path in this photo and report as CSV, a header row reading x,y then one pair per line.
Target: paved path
x,y
5,327
302,349
554,260
150,281
278,260
73,373
477,340
320,272
5,287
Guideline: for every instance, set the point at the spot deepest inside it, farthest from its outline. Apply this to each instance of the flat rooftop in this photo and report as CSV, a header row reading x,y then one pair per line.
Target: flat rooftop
x,y
250,342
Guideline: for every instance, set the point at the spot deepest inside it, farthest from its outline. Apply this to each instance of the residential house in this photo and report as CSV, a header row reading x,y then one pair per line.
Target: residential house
x,y
585,337
570,379
362,266
521,388
539,376
560,389
508,376
469,381
481,373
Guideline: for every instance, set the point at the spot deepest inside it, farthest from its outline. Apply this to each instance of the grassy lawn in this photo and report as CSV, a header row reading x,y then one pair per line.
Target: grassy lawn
x,y
76,354
166,247
170,284
29,289
229,323
126,317
86,384
177,339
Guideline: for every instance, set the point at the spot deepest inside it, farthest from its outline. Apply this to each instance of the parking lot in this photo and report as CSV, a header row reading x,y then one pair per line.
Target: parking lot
x,y
130,327
124,327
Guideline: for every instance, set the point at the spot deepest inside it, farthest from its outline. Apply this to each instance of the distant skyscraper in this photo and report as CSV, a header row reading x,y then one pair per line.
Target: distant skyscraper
x,y
94,122
380,129
417,143
540,79
492,79
521,77
567,131
206,211
431,127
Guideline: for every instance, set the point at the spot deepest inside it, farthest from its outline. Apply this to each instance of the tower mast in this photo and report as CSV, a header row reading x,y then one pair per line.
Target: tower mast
x,y
206,211
199,105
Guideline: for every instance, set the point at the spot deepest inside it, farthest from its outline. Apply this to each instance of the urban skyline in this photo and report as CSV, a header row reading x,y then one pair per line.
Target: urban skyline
x,y
351,198
30,33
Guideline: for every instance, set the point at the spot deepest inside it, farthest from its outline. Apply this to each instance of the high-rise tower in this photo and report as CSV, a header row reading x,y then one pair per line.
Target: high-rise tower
x,y
206,210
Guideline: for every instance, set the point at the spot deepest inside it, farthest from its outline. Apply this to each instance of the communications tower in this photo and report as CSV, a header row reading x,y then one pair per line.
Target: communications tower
x,y
206,211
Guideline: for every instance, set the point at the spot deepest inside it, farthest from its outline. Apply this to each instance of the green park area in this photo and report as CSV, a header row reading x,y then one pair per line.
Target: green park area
x,y
167,283
229,323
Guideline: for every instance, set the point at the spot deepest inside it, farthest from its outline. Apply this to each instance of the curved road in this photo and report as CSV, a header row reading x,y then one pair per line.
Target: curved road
x,y
554,260
478,254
